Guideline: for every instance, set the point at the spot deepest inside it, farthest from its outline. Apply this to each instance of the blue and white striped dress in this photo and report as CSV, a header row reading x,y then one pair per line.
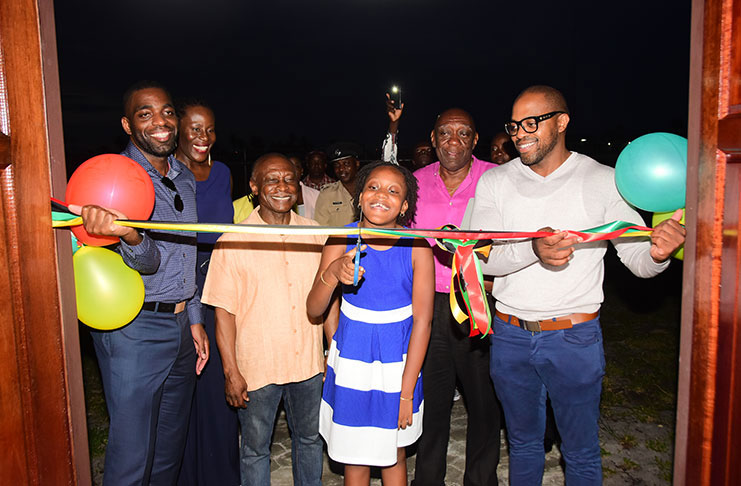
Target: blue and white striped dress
x,y
360,404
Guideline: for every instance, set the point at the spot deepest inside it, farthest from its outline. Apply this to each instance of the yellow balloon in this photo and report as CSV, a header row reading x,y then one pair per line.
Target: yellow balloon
x,y
658,218
109,293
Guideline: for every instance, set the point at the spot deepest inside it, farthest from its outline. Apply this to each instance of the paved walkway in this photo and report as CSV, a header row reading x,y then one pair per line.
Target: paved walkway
x,y
633,453
281,457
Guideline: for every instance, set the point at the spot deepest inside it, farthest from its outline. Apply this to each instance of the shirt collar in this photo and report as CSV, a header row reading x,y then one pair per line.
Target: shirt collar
x,y
255,218
132,151
467,181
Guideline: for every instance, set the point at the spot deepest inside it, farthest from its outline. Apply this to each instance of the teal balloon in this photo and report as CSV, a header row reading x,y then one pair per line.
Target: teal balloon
x,y
651,172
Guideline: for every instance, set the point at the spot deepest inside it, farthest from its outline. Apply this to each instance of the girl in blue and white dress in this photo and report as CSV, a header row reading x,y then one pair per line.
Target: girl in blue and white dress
x,y
372,402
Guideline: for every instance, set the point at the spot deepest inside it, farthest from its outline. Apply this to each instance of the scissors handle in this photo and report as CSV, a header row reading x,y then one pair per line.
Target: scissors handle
x,y
356,274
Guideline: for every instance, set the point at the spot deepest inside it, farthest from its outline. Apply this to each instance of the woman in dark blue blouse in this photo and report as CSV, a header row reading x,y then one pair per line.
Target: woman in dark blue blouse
x,y
212,449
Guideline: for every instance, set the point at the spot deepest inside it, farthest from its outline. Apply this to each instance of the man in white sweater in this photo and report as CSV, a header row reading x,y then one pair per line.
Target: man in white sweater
x,y
547,336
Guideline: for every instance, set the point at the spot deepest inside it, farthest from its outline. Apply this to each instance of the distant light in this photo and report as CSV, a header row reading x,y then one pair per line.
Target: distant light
x,y
583,139
394,89
609,144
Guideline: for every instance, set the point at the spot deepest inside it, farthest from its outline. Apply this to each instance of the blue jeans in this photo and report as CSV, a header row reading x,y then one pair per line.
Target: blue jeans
x,y
569,366
148,372
301,401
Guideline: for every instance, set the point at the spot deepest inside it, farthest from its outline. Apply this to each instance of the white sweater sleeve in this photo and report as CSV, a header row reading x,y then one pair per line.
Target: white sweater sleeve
x,y
633,252
505,258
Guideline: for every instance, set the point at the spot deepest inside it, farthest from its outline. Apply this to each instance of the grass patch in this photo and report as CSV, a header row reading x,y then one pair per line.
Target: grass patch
x,y
628,441
657,445
95,407
628,464
665,468
640,324
608,472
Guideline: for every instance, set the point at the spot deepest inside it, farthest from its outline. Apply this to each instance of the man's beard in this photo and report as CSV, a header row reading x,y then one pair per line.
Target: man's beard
x,y
535,157
157,150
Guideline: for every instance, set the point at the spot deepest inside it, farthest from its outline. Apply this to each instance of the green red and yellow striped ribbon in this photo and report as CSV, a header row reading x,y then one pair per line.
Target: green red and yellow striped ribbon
x,y
466,276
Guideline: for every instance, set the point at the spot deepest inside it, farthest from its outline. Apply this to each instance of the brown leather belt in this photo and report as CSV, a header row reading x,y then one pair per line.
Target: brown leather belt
x,y
555,324
166,307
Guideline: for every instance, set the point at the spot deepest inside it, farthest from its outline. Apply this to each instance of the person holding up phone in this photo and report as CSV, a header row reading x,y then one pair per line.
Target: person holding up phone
x,y
394,108
423,152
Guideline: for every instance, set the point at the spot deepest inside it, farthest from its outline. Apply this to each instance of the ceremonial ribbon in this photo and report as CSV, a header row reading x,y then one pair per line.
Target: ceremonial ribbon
x,y
466,272
463,244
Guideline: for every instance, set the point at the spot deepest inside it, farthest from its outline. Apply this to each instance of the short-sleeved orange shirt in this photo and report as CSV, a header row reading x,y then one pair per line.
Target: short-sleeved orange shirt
x,y
264,281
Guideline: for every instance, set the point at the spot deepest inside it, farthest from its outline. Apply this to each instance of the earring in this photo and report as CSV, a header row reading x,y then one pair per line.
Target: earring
x,y
402,213
209,159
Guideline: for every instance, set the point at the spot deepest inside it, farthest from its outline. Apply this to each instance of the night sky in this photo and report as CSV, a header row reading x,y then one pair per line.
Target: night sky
x,y
293,75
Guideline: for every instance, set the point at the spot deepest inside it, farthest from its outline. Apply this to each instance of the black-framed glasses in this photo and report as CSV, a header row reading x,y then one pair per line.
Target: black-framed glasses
x,y
171,186
529,124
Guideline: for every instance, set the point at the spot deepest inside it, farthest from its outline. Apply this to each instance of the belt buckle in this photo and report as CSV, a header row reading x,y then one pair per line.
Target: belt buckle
x,y
531,326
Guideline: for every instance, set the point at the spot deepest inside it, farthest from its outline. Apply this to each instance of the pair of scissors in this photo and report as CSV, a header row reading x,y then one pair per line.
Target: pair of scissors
x,y
356,274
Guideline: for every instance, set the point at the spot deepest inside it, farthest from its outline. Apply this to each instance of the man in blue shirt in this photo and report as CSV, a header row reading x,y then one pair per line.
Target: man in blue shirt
x,y
148,365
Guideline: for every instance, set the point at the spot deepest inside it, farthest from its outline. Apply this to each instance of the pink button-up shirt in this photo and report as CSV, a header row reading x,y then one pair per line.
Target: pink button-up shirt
x,y
435,207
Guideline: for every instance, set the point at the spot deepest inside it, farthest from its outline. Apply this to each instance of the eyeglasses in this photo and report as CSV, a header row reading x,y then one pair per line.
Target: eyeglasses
x,y
529,124
171,186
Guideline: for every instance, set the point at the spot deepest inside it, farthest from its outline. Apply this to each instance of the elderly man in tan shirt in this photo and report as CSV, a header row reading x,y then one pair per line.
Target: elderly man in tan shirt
x,y
269,347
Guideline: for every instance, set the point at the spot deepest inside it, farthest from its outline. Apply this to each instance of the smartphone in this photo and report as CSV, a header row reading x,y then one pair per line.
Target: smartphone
x,y
395,94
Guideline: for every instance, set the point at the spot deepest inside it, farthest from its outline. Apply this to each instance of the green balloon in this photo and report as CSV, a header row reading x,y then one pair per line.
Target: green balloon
x,y
651,172
109,293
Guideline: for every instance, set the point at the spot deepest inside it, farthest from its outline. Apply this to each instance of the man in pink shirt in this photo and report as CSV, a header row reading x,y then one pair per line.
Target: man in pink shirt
x,y
445,188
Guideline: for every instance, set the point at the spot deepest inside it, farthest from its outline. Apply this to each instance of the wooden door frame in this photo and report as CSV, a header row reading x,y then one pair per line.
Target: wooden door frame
x,y
43,413
708,412
42,416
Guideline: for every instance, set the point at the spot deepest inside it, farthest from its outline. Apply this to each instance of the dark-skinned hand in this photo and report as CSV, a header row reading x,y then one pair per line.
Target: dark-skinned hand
x,y
100,221
235,389
200,341
667,236
556,249
343,269
405,413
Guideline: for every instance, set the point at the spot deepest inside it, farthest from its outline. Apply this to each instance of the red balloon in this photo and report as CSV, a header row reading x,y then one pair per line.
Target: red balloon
x,y
110,181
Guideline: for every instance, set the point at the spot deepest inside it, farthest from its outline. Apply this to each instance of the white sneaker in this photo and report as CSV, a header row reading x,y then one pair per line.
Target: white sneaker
x,y
456,395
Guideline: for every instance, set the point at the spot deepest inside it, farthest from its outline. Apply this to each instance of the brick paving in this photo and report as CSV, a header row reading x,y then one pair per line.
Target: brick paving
x,y
281,457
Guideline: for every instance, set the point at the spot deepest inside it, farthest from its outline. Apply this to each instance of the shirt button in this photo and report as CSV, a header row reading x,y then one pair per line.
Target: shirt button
x,y
451,203
290,284
295,331
447,287
293,307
